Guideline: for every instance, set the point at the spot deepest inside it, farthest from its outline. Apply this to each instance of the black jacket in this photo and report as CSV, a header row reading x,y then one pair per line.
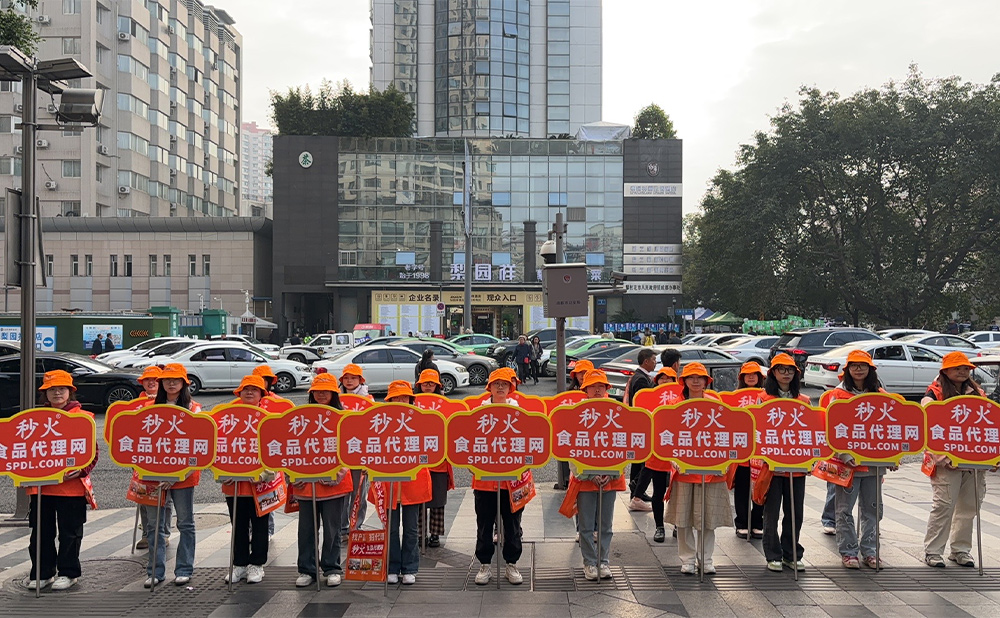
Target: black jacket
x,y
97,347
109,345
636,383
521,352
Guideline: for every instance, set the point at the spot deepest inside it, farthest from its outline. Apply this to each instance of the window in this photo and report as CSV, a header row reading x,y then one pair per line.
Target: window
x,y
10,166
166,265
74,265
206,265
113,267
71,7
372,356
99,173
212,354
71,45
128,266
88,266
192,265
239,355
48,264
348,258
71,168
922,355
70,208
152,266
890,352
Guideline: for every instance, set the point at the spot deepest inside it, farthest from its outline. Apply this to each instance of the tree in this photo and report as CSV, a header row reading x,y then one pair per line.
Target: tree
x,y
882,206
342,112
17,29
653,123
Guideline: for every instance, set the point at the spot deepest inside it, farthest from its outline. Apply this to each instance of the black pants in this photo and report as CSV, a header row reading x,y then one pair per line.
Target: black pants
x,y
741,496
639,481
779,497
523,371
249,533
535,370
64,515
661,480
486,517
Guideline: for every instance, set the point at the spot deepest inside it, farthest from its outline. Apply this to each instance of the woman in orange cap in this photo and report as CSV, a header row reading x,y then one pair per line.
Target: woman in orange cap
x,y
783,382
408,498
442,476
150,383
250,536
658,470
684,508
65,505
576,375
352,380
751,376
501,384
954,490
665,375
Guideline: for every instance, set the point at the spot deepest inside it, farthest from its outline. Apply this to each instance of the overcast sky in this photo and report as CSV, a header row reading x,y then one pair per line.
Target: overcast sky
x,y
720,69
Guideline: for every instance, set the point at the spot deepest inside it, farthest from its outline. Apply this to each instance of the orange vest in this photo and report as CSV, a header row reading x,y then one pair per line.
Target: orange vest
x,y
493,485
618,484
323,490
68,487
417,491
765,397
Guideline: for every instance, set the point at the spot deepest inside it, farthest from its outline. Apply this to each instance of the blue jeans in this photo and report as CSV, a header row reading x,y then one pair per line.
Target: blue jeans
x,y
867,485
404,557
586,504
183,502
330,512
829,516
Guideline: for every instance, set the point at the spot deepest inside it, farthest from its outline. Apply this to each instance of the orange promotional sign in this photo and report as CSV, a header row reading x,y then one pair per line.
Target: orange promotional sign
x,y
525,402
355,403
39,446
498,440
439,403
663,395
742,398
600,434
966,429
163,442
237,456
275,405
875,427
566,398
790,434
392,440
122,406
703,434
302,442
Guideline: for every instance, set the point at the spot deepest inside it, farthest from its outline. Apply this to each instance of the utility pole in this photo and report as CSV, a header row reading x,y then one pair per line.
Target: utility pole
x,y
559,229
467,211
29,234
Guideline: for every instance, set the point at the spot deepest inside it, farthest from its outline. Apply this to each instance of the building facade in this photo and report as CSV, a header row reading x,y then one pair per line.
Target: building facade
x,y
372,230
256,188
526,68
168,140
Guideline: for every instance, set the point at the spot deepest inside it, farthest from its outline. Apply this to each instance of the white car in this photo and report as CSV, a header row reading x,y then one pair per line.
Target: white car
x,y
382,364
943,343
983,338
756,348
326,345
904,367
270,348
142,346
717,339
164,349
896,333
222,364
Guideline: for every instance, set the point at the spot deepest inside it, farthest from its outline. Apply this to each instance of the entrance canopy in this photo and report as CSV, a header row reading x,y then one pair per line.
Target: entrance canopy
x,y
250,319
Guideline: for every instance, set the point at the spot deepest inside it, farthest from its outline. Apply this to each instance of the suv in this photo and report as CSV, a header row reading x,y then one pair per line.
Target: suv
x,y
801,342
503,351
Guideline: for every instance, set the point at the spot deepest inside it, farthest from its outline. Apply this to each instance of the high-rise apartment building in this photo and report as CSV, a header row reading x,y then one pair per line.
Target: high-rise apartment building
x,y
525,68
255,184
168,139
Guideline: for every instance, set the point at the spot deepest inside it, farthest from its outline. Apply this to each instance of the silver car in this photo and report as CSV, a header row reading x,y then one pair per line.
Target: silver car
x,y
756,348
382,364
943,343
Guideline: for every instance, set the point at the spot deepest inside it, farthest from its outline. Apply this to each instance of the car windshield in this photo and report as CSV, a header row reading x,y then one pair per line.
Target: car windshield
x,y
94,365
915,338
735,343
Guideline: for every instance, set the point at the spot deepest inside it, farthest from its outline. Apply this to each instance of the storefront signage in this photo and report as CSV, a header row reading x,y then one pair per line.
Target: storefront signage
x,y
45,336
652,270
653,189
644,248
652,287
457,298
643,259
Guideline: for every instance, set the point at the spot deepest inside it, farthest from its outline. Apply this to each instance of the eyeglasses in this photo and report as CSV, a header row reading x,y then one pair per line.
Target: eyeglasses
x,y
784,369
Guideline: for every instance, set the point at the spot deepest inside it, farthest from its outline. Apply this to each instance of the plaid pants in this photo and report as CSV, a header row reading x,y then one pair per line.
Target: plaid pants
x,y
436,521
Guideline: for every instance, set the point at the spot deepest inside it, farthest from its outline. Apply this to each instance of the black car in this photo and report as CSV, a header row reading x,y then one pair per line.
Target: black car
x,y
799,343
599,357
97,385
503,352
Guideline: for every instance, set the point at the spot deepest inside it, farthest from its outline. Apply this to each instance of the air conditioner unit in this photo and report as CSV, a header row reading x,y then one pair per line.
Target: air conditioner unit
x,y
173,139
42,143
44,20
51,108
173,70
124,36
18,108
124,190
18,149
51,185
102,149
207,187
171,30
173,206
207,157
173,173
173,105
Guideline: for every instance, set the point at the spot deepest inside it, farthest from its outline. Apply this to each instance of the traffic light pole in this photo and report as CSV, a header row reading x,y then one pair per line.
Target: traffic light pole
x,y
558,229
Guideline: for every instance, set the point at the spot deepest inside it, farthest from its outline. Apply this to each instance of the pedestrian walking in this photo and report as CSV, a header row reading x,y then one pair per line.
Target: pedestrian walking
x,y
442,476
426,362
749,515
97,347
536,356
522,354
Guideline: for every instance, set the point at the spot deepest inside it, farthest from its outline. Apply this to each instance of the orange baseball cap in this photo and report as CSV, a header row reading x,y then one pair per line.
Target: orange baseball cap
x,y
951,360
324,382
398,388
264,371
353,370
174,370
57,377
153,371
429,375
251,380
751,367
666,371
595,376
695,369
783,359
582,366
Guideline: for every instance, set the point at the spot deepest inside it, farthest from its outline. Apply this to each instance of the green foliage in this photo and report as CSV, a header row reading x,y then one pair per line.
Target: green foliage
x,y
883,206
342,112
18,30
653,123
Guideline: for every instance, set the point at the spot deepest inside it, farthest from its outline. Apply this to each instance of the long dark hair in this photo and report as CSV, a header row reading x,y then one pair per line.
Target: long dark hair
x,y
771,385
183,397
870,384
334,403
948,389
742,383
426,359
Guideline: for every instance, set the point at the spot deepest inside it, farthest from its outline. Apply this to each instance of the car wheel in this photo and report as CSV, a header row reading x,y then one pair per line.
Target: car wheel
x,y
447,384
195,385
478,374
508,361
298,358
284,383
120,392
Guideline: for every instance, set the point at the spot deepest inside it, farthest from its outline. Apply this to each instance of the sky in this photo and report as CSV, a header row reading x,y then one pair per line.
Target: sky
x,y
719,69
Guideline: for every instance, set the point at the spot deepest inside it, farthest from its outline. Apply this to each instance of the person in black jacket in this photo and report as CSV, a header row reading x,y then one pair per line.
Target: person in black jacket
x,y
98,346
522,354
109,344
641,379
426,362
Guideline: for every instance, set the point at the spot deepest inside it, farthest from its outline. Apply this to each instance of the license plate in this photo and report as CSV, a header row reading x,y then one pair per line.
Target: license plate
x,y
813,367
616,392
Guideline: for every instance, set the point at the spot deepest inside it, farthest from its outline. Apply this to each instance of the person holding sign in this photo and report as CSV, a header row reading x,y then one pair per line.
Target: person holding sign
x,y
150,383
442,477
684,507
331,500
352,381
408,500
783,381
501,383
65,505
658,470
954,490
747,523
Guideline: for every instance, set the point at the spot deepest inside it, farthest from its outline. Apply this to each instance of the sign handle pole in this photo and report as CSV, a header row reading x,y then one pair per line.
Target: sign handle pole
x,y
388,520
156,535
424,530
878,517
232,535
750,508
38,543
979,521
600,524
136,527
316,528
795,536
499,534
701,536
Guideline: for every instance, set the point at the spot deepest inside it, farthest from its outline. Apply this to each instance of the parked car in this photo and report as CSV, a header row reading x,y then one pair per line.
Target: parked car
x,y
98,384
478,366
382,364
904,368
164,349
503,351
581,350
983,338
717,339
756,348
723,368
270,348
597,357
222,364
9,348
896,333
320,346
142,346
800,343
478,342
987,374
377,340
944,343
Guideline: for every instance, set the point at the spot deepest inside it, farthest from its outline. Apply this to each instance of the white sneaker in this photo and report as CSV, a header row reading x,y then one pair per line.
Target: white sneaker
x,y
590,572
709,568
303,580
409,579
577,539
150,582
334,580
238,573
638,504
484,575
513,575
30,583
392,578
255,573
829,530
604,571
182,580
689,568
63,583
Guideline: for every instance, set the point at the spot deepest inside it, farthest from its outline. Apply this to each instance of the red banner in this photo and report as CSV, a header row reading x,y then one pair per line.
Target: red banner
x,y
966,429
367,552
529,403
499,440
566,398
703,434
743,398
122,406
350,402
653,398
439,403
875,427
162,441
302,442
392,440
601,434
237,454
791,433
40,445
